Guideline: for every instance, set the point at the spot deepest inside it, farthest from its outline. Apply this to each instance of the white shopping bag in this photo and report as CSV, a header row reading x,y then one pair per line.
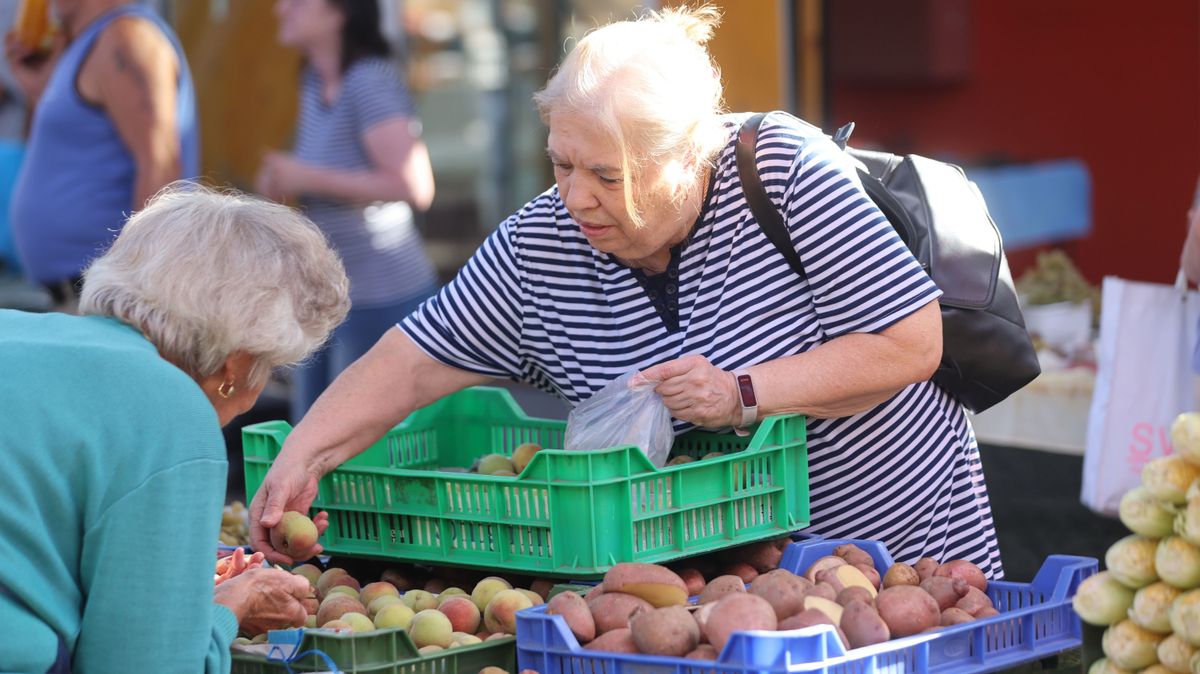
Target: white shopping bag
x,y
1144,379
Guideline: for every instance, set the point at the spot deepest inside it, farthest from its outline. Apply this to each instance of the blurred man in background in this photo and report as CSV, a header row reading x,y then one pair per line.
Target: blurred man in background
x,y
113,121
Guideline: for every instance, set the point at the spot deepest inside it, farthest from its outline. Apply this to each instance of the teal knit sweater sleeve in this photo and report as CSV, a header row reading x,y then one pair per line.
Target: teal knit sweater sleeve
x,y
145,571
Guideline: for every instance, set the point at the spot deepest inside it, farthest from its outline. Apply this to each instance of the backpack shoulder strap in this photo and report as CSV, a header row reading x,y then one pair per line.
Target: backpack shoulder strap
x,y
765,213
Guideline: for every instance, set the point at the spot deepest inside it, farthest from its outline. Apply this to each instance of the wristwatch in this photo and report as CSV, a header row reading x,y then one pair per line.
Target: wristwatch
x,y
749,401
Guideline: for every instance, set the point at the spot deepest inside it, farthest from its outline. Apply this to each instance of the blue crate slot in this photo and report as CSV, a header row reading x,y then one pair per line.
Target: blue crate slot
x,y
1036,620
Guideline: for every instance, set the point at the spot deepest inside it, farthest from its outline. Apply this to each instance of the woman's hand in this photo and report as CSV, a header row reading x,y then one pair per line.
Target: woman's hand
x,y
265,599
233,565
696,391
282,176
287,486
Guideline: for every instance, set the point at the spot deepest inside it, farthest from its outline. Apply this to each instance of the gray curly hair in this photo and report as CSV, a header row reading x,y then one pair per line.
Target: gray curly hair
x,y
205,273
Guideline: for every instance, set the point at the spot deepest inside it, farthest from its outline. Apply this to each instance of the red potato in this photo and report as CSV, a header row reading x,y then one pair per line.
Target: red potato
x,y
613,610
703,652
742,570
669,631
955,616
764,556
576,613
823,590
737,612
986,613
863,625
854,593
784,590
946,591
719,587
908,610
842,577
854,555
810,617
961,568
821,565
656,584
974,601
616,641
925,567
871,574
693,579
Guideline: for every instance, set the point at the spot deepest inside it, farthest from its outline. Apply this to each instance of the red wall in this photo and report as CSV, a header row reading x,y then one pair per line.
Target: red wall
x,y
1116,84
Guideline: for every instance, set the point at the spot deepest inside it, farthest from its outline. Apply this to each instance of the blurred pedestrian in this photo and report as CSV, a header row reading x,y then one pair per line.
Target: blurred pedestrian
x,y
358,168
113,121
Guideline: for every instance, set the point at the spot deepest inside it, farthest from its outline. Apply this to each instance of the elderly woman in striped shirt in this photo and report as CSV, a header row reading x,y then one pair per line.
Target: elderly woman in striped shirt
x,y
645,256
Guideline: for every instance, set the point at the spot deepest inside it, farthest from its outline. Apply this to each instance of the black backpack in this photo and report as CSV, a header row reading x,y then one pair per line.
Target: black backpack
x,y
986,352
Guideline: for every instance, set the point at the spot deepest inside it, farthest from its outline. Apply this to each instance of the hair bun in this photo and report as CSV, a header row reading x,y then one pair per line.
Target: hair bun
x,y
697,23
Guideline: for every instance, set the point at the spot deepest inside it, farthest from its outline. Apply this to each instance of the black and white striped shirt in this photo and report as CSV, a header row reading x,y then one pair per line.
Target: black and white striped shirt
x,y
538,304
378,242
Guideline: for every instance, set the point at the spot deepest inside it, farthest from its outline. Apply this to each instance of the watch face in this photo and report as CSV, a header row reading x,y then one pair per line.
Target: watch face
x,y
746,389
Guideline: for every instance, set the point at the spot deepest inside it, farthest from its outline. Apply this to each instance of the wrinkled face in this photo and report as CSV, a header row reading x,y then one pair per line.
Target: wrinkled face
x,y
303,23
587,169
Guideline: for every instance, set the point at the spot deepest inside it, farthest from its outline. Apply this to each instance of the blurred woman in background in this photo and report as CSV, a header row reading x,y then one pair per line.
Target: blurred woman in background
x,y
359,169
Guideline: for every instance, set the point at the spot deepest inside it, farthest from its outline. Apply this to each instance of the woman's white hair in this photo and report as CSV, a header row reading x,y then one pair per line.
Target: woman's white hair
x,y
204,274
652,86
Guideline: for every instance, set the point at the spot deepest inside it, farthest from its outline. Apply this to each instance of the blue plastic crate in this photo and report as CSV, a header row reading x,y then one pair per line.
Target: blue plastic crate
x,y
1036,620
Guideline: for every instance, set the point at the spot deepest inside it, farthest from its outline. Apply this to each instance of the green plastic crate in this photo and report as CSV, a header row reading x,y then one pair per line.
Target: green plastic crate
x,y
389,651
568,513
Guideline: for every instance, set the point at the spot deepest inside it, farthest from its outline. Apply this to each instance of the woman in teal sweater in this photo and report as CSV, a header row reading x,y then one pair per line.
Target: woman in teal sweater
x,y
114,464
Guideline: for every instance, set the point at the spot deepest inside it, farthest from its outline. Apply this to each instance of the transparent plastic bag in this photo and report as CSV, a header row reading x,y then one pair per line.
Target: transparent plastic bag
x,y
625,412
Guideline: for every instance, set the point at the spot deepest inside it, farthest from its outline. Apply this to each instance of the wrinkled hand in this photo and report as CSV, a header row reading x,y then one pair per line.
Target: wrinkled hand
x,y
235,564
696,391
281,176
287,486
265,599
32,70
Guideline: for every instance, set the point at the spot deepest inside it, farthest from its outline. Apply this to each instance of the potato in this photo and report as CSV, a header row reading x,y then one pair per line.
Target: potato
x,y
594,593
822,590
809,617
947,591
901,574
974,601
961,568
854,593
693,579
986,613
703,652
854,555
613,610
871,574
764,556
656,584
842,577
955,616
616,641
784,590
908,610
576,613
829,608
925,567
669,631
821,565
737,612
863,625
719,587
742,570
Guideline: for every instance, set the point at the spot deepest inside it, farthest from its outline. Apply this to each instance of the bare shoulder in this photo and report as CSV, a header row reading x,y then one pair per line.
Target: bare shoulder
x,y
133,42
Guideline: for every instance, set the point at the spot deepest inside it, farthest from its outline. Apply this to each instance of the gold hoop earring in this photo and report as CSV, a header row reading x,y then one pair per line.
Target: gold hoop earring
x,y
225,390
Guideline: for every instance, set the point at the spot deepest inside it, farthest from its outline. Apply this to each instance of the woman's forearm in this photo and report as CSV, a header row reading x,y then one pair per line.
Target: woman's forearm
x,y
854,372
375,393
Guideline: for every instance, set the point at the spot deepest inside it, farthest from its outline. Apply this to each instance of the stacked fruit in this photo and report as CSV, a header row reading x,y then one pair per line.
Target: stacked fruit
x,y
500,465
235,525
643,608
1149,596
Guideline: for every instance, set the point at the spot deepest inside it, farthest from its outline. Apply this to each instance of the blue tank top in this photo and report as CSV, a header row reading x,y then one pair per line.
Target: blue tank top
x,y
76,186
